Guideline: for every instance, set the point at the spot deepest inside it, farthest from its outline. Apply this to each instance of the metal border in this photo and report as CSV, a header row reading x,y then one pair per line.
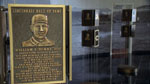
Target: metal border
x,y
70,43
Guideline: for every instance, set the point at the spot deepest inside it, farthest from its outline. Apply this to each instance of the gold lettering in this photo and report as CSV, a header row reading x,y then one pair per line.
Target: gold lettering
x,y
37,64
26,10
48,10
23,10
40,10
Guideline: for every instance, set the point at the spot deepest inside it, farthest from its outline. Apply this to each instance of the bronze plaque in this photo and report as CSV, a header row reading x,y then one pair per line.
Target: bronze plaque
x,y
126,31
127,15
37,42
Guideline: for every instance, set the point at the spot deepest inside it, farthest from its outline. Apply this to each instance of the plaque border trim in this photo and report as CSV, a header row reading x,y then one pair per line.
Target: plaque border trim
x,y
70,37
11,40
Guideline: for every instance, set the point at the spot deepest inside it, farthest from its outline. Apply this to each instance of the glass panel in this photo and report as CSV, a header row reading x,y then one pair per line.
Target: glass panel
x,y
90,65
141,44
121,44
131,51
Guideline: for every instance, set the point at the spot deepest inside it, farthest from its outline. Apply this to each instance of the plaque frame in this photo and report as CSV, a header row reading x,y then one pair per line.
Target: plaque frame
x,y
70,50
70,43
11,40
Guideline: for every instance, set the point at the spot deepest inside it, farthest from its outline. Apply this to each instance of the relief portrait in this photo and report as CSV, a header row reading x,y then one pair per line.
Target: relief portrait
x,y
39,28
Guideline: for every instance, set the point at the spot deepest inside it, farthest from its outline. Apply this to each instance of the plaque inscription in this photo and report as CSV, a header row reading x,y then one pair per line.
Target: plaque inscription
x,y
37,42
